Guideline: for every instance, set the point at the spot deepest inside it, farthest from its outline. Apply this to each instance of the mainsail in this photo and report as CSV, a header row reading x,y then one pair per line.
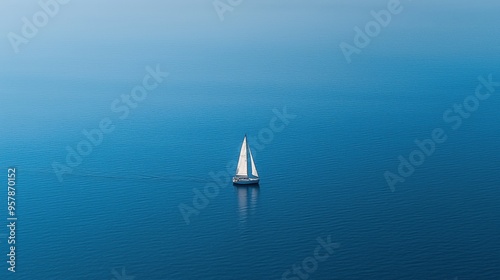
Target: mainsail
x,y
242,169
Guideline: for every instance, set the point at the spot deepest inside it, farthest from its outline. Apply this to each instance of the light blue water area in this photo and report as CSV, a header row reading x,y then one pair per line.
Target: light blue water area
x,y
322,168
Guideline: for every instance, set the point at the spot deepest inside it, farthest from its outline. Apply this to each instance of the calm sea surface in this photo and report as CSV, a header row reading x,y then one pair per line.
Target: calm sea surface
x,y
322,174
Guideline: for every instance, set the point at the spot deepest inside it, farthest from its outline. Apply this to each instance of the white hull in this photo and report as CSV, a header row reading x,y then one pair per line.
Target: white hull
x,y
245,181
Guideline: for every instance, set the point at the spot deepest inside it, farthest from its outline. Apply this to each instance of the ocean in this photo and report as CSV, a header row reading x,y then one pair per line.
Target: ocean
x,y
123,171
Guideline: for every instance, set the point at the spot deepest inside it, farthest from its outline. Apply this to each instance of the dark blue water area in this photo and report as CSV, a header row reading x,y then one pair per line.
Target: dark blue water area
x,y
322,176
144,202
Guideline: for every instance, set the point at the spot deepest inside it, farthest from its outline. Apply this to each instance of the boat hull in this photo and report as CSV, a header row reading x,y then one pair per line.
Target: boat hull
x,y
245,181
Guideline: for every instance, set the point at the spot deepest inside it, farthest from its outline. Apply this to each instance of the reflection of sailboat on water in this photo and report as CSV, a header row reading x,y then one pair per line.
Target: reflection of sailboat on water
x,y
242,175
247,200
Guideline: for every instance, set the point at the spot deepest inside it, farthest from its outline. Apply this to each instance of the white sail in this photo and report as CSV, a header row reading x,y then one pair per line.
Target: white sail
x,y
254,170
241,177
242,169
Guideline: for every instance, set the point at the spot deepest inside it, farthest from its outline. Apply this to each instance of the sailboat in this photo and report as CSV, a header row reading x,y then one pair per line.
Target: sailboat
x,y
242,176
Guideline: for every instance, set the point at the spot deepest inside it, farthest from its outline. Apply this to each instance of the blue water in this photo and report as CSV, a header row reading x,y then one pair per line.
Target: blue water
x,y
117,215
